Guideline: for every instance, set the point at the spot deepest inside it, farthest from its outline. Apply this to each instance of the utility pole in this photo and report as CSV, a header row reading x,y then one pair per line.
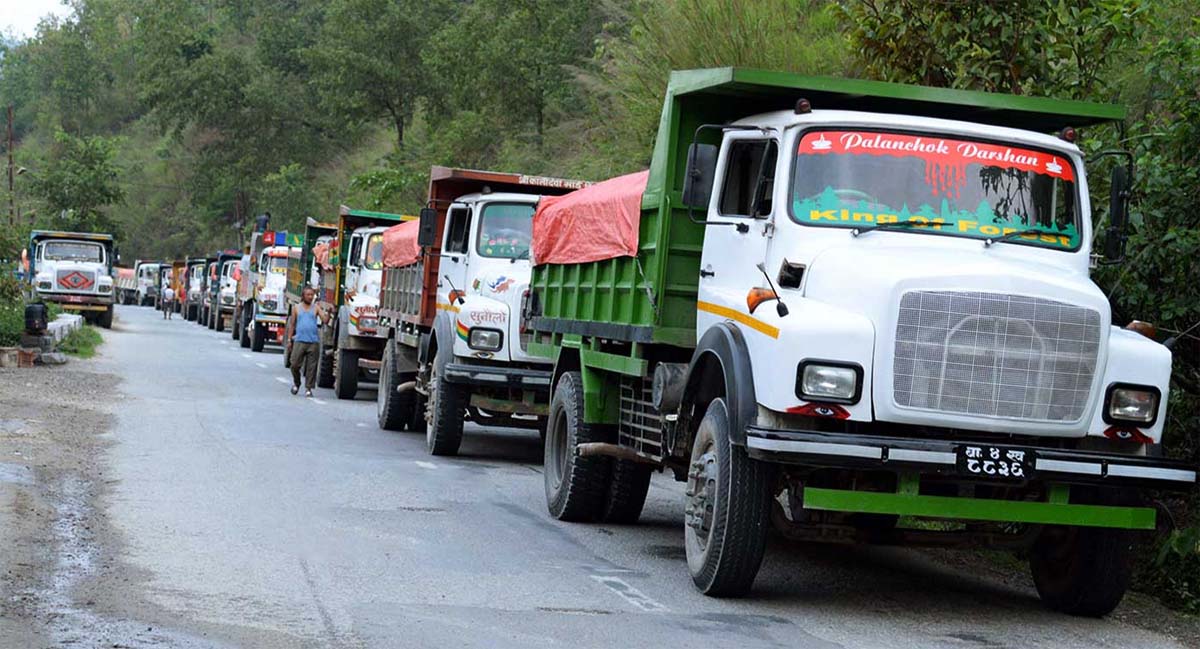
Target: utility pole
x,y
12,195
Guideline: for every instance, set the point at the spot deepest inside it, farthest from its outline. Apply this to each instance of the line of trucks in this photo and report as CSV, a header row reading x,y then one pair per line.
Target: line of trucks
x,y
846,311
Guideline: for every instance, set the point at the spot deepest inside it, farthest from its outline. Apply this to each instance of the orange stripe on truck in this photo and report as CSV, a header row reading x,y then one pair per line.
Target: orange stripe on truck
x,y
739,317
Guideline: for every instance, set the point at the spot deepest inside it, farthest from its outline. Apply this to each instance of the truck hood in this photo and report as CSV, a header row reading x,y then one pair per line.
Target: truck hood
x,y
73,276
497,296
972,338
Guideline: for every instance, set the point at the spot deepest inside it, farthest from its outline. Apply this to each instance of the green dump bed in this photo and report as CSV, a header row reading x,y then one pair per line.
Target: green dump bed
x,y
653,298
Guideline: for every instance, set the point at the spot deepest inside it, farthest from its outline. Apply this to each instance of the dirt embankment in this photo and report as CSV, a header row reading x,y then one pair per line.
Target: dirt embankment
x,y
53,423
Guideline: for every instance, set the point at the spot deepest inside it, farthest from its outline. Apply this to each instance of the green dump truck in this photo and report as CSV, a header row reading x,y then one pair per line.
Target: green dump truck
x,y
851,305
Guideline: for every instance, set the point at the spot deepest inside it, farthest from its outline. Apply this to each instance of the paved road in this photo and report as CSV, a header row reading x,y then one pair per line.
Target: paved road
x,y
249,517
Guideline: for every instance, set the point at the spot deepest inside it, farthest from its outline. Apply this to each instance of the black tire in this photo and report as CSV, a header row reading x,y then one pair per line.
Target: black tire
x,y
237,325
447,409
728,509
1083,571
219,321
345,374
324,367
393,410
258,336
416,422
576,487
105,319
626,492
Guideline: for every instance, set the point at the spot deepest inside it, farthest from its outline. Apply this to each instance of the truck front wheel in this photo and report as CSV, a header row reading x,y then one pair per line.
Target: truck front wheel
x,y
447,409
238,324
576,487
345,374
219,321
1082,570
258,337
105,319
728,509
394,410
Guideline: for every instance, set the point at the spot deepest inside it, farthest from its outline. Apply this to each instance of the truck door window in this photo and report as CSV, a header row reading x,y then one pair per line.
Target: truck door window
x,y
749,178
355,250
456,231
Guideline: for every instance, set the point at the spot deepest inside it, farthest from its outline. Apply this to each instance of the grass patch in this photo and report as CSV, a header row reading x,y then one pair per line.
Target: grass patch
x,y
82,342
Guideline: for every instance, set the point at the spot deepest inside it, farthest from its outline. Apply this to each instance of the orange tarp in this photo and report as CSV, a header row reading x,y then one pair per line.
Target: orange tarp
x,y
590,224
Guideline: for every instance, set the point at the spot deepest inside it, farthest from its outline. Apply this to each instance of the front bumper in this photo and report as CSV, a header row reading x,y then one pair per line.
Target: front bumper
x,y
939,457
498,376
74,302
270,318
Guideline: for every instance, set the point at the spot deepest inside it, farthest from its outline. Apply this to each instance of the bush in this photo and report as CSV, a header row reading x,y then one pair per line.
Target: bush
x,y
82,342
12,323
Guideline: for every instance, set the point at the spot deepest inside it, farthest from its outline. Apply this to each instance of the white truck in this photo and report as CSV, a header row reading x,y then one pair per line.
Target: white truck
x,y
456,347
264,314
74,269
147,282
851,306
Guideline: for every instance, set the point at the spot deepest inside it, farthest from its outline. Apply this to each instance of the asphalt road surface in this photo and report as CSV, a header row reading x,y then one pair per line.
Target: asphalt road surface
x,y
242,516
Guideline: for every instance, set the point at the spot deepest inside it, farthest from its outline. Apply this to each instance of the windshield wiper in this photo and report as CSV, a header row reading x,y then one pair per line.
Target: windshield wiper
x,y
895,225
524,255
987,243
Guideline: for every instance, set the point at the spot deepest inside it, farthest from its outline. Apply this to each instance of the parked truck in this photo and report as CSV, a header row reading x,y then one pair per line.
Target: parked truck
x,y
352,347
193,282
73,269
848,303
147,281
222,290
450,309
125,285
304,269
262,307
210,279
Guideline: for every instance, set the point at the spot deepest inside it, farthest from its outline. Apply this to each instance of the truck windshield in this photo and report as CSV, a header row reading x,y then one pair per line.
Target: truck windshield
x,y
945,186
374,259
72,251
277,265
505,230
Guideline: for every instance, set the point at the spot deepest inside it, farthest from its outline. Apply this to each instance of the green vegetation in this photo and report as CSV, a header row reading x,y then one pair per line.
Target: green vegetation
x,y
12,323
82,342
175,121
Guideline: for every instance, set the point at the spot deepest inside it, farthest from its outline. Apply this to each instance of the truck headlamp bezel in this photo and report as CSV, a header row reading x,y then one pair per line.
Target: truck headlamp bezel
x,y
1119,394
479,346
839,369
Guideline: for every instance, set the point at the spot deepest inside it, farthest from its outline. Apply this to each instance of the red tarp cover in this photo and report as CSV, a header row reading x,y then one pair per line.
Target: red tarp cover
x,y
400,245
321,254
590,224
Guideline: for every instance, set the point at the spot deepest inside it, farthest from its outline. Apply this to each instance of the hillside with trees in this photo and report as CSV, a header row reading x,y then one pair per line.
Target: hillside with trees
x,y
173,122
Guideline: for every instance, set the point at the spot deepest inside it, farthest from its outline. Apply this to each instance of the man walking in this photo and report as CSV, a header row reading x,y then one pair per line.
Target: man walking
x,y
168,301
303,322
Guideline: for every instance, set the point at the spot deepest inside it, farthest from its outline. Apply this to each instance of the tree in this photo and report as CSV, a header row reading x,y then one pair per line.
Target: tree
x,y
78,181
366,61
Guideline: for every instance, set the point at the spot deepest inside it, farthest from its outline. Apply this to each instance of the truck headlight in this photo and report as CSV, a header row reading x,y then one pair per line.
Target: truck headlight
x,y
1131,404
44,285
270,305
487,340
829,381
105,288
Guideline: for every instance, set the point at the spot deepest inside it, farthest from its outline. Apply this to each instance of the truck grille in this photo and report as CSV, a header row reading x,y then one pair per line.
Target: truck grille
x,y
995,355
76,280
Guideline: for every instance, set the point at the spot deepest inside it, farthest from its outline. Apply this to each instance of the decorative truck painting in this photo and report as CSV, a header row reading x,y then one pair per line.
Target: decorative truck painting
x,y
837,307
74,269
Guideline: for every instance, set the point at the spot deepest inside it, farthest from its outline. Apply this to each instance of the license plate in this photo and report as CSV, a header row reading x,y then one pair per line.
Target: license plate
x,y
995,462
74,299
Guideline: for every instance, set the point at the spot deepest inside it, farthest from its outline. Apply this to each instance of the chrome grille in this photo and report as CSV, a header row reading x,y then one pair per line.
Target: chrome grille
x,y
995,355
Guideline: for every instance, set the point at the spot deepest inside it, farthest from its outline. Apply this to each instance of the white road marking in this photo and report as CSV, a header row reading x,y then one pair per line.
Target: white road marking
x,y
319,401
247,356
261,365
361,425
283,380
426,465
630,594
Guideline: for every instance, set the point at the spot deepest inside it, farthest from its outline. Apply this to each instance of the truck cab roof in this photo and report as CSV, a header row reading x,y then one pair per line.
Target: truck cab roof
x,y
507,197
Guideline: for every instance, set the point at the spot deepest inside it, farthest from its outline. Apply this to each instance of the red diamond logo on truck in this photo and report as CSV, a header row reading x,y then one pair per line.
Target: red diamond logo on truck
x,y
75,280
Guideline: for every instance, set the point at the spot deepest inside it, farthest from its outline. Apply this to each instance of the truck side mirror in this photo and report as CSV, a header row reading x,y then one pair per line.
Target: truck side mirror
x,y
1118,216
699,175
427,230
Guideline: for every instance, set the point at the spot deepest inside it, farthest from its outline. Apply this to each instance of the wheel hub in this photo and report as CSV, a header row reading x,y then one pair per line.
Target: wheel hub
x,y
701,495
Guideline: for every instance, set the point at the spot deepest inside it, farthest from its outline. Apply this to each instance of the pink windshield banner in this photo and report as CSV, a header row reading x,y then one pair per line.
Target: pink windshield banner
x,y
946,159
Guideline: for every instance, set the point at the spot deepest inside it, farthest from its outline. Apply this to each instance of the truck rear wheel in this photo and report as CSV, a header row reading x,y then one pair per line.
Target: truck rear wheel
x,y
576,487
345,374
219,321
626,492
393,410
238,324
447,409
1083,571
324,367
258,336
105,319
728,509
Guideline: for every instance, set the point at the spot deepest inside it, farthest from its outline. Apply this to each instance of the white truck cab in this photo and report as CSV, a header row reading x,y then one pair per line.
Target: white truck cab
x,y
147,282
485,255
364,276
74,270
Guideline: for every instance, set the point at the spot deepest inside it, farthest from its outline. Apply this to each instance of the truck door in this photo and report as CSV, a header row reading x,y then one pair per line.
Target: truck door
x,y
735,240
455,250
353,262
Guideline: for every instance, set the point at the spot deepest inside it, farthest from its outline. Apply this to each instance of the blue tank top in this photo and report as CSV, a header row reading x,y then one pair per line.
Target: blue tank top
x,y
306,324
